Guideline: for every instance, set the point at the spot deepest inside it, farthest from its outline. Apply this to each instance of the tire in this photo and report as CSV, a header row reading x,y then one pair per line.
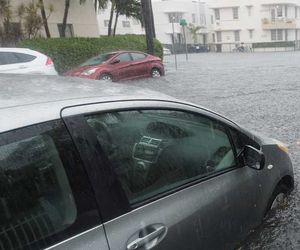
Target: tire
x,y
106,77
278,198
155,73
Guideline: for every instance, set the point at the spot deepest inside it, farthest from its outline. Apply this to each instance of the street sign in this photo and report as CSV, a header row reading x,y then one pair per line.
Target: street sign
x,y
183,22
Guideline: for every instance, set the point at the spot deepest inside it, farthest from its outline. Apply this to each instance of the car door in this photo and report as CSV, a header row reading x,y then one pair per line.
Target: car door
x,y
170,176
46,200
139,64
122,69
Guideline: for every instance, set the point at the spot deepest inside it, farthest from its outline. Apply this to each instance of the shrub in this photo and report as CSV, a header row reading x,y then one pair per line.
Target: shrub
x,y
273,44
69,52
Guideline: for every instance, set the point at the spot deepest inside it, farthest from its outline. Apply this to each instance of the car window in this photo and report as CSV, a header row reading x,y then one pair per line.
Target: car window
x,y
24,57
156,151
124,57
37,203
8,58
98,59
138,56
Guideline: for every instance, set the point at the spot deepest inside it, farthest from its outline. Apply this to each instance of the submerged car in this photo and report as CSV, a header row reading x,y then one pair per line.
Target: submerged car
x,y
25,61
121,65
95,165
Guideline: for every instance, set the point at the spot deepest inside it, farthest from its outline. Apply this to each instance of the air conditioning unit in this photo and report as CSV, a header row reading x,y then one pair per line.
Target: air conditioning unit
x,y
217,22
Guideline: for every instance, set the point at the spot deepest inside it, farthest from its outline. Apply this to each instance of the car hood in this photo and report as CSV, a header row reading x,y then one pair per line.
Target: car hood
x,y
78,70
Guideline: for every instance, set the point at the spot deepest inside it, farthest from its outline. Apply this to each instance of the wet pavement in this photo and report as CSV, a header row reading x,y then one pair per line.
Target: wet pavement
x,y
260,91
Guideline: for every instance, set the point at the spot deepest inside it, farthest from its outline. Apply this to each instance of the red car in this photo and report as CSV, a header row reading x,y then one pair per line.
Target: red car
x,y
121,65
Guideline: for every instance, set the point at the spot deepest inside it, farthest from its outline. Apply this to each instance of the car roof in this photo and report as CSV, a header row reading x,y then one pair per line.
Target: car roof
x,y
21,50
34,99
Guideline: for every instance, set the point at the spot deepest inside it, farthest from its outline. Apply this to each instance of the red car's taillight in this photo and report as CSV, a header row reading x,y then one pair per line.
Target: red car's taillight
x,y
49,61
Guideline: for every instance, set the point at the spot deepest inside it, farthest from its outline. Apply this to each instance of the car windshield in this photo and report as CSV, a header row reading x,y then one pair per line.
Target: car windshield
x,y
98,59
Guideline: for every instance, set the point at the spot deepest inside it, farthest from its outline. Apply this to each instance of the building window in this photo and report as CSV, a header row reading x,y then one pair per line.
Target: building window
x,y
202,19
279,11
212,19
250,34
296,12
279,35
217,14
273,35
219,36
106,23
286,35
175,17
126,24
237,35
249,9
235,13
69,32
193,18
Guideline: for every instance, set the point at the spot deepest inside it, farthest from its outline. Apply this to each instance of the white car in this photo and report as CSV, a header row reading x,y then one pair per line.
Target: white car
x,y
25,61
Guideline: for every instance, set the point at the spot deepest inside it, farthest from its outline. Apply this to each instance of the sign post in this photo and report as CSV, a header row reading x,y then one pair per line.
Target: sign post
x,y
173,42
183,24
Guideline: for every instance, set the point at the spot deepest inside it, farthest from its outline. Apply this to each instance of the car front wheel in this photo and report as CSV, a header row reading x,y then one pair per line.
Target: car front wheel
x,y
155,73
106,77
279,198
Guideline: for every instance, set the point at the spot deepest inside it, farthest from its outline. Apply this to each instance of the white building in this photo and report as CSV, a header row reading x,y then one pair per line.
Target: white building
x,y
194,12
254,21
165,12
124,25
81,22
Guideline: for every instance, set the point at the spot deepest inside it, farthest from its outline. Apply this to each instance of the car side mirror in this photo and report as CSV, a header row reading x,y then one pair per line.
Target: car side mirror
x,y
115,61
253,158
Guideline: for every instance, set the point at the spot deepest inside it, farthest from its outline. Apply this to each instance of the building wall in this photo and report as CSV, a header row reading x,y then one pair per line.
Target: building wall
x,y
82,17
256,15
191,11
103,17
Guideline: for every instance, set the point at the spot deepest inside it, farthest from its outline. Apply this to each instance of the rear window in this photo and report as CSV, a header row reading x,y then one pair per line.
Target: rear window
x,y
138,56
12,57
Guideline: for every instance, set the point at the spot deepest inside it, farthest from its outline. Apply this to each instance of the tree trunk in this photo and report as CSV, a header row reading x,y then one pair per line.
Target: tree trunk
x,y
112,9
44,17
152,20
148,25
64,23
116,23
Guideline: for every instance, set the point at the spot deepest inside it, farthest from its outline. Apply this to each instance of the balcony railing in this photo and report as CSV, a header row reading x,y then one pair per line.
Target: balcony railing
x,y
282,23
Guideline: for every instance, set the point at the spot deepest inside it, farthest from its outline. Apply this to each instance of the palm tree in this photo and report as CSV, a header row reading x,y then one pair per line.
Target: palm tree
x,y
194,30
44,17
98,4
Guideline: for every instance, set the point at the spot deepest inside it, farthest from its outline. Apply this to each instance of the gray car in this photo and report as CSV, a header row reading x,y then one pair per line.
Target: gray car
x,y
91,165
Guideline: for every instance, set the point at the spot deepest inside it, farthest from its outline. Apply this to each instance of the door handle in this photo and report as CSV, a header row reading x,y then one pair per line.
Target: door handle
x,y
136,244
22,67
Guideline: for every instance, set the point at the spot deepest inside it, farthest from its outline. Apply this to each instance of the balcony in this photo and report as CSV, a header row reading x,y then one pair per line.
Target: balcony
x,y
282,23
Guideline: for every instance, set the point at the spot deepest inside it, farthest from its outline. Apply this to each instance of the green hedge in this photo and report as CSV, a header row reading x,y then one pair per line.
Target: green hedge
x,y
273,45
69,52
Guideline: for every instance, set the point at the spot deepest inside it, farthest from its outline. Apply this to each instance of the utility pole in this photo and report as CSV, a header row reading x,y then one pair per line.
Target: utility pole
x,y
148,23
173,42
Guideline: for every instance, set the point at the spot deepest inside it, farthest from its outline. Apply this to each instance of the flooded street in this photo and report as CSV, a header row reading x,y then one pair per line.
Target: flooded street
x,y
261,92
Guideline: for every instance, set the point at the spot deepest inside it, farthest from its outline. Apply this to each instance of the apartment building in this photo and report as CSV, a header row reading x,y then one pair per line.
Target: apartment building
x,y
170,12
82,19
165,13
253,21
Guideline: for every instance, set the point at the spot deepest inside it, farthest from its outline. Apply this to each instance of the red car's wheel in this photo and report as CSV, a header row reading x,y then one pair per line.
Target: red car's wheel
x,y
155,73
106,77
